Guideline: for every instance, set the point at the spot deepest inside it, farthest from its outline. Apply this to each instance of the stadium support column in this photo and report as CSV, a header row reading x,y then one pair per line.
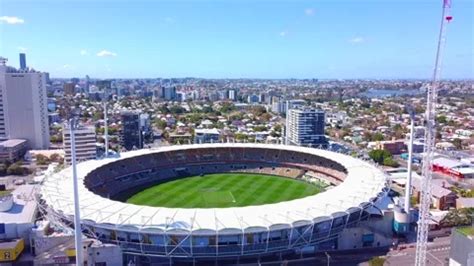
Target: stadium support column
x,y
409,167
77,214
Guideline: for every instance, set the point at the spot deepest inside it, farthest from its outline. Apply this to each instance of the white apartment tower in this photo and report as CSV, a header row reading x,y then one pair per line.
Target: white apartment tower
x,y
23,106
306,127
85,138
3,70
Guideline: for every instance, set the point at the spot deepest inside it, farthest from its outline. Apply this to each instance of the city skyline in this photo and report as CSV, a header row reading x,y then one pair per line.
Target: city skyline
x,y
237,39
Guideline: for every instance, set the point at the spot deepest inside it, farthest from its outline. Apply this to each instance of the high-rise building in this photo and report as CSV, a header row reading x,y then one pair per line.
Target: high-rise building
x,y
85,139
306,127
168,93
145,127
181,96
232,94
105,88
69,88
195,95
23,106
131,137
222,95
252,99
3,70
279,107
22,61
87,83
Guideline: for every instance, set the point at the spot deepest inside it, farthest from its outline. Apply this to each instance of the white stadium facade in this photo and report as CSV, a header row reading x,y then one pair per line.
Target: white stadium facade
x,y
206,233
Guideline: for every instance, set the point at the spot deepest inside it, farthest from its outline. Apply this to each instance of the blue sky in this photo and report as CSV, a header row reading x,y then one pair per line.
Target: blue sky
x,y
237,39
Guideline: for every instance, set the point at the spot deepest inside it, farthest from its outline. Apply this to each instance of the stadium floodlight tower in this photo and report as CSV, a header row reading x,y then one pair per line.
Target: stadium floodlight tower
x,y
430,115
406,206
287,122
73,123
105,86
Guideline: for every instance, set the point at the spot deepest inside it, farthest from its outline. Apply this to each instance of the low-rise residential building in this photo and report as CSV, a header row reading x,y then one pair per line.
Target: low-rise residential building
x,y
12,149
442,198
453,167
393,146
206,135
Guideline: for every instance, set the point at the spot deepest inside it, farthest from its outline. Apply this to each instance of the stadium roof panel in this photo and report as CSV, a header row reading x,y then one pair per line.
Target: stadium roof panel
x,y
362,184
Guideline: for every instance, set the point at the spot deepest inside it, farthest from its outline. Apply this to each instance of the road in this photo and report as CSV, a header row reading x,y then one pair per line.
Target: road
x,y
438,253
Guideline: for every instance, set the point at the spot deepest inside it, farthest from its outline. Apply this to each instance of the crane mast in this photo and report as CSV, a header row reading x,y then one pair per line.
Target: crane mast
x,y
430,133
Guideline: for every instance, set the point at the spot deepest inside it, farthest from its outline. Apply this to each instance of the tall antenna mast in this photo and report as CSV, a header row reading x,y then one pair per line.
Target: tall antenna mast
x,y
430,133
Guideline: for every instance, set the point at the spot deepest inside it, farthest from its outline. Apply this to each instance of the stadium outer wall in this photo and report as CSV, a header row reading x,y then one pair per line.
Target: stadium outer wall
x,y
177,233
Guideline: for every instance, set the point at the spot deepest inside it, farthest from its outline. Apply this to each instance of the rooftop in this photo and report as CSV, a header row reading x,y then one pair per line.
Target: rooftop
x,y
211,131
24,206
10,143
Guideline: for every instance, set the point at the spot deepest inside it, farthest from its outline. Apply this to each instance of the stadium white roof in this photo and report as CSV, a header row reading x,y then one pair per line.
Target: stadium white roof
x,y
364,182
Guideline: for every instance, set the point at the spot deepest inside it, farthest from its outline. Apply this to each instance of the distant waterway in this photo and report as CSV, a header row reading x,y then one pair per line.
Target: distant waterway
x,y
384,93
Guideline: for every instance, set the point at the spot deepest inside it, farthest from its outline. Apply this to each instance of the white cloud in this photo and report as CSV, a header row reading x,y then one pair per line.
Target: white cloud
x,y
84,52
11,20
21,49
357,40
283,33
309,11
66,66
105,53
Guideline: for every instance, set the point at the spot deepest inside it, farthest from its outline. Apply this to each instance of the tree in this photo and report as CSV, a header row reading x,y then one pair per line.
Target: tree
x,y
161,124
176,109
260,128
257,111
376,261
379,156
389,161
265,117
42,160
458,217
207,109
3,169
377,137
98,116
277,128
227,107
56,138
457,143
441,119
55,157
17,169
240,136
194,118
